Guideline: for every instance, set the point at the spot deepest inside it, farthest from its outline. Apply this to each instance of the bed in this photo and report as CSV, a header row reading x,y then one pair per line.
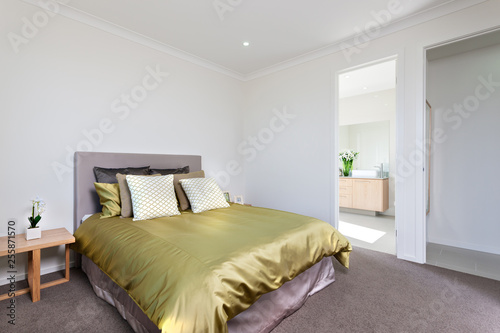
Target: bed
x,y
236,269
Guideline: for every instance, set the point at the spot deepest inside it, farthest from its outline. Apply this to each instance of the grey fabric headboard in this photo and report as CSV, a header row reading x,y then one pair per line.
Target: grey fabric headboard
x,y
86,200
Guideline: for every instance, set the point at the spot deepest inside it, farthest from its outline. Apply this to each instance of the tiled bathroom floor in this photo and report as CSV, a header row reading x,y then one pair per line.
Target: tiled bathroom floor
x,y
463,260
458,259
372,224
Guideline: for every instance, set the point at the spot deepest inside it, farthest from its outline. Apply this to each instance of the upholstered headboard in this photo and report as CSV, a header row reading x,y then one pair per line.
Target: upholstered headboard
x,y
86,200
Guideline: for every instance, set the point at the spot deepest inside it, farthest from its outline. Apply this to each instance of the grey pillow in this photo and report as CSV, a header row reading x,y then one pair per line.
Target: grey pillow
x,y
108,175
164,172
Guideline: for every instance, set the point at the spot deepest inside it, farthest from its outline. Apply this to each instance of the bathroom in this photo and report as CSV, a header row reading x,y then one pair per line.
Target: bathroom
x,y
367,126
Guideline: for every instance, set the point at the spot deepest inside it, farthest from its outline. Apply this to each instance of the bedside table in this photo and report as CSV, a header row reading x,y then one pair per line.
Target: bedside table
x,y
50,238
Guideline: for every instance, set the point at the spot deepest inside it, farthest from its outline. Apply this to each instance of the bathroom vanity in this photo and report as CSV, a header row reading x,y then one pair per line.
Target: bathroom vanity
x,y
370,194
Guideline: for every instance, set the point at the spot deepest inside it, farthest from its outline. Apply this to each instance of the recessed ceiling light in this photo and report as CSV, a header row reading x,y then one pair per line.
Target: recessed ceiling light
x,y
246,43
347,76
364,88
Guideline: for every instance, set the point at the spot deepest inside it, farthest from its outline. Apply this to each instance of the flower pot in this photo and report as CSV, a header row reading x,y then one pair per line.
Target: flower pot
x,y
33,233
347,167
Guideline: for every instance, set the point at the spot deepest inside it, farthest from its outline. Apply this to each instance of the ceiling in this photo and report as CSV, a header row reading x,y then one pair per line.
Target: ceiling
x,y
279,31
367,80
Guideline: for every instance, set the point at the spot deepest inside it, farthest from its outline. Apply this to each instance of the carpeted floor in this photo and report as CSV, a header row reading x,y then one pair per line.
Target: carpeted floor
x,y
377,294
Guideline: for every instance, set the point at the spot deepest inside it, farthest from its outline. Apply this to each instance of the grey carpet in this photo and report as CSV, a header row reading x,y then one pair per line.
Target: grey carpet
x,y
68,307
377,294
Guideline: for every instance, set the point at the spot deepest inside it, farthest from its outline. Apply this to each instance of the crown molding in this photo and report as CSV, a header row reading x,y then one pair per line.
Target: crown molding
x,y
77,15
404,23
401,24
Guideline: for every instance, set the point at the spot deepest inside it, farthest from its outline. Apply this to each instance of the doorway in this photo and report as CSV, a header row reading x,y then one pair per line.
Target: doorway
x,y
463,95
367,134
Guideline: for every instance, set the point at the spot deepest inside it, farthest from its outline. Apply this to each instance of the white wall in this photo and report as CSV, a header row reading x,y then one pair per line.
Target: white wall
x,y
466,159
63,82
368,109
296,172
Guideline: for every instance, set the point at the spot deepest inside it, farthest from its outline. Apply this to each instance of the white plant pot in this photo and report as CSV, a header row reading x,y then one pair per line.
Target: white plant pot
x,y
33,233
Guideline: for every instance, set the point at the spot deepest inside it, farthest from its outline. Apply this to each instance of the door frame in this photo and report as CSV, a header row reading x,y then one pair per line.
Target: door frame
x,y
400,139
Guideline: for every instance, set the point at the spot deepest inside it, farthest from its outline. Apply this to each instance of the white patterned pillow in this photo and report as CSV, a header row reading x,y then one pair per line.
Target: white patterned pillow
x,y
203,194
152,196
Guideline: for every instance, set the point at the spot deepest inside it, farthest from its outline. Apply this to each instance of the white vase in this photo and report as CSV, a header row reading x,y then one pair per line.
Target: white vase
x,y
33,233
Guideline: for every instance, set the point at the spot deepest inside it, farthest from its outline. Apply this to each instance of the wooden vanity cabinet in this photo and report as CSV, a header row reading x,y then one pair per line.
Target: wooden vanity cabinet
x,y
364,193
345,192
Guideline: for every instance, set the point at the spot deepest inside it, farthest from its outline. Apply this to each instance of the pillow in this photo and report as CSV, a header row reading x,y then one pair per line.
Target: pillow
x,y
126,199
152,196
170,171
109,197
108,175
204,194
181,196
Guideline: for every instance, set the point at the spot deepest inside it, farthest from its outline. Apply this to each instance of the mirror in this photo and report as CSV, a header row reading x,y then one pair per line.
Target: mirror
x,y
371,140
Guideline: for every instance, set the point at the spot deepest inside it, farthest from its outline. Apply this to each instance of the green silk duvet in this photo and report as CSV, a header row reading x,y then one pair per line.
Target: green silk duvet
x,y
194,272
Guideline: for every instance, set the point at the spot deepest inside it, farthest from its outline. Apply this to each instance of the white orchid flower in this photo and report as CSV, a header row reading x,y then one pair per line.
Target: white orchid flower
x,y
39,205
348,155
